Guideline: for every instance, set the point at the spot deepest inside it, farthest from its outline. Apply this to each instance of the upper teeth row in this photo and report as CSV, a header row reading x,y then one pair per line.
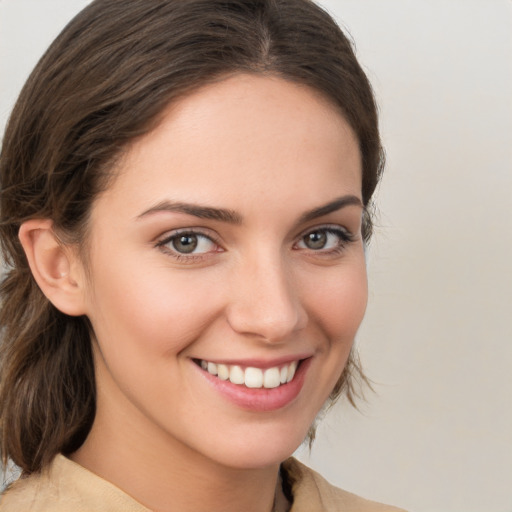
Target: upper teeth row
x,y
252,377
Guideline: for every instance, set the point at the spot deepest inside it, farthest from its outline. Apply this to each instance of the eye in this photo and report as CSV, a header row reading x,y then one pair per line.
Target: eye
x,y
188,243
324,239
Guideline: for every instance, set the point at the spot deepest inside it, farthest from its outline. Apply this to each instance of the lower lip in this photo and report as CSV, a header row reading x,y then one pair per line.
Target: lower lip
x,y
260,399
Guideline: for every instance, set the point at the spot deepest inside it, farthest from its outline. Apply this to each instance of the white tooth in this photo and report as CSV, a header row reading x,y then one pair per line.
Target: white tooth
x,y
283,376
223,371
291,371
236,375
204,364
271,378
212,368
253,377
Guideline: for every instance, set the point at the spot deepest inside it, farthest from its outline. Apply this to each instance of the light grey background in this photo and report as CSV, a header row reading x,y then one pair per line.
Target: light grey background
x,y
437,339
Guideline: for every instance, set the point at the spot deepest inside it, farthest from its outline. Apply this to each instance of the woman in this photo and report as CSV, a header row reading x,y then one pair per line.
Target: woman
x,y
185,198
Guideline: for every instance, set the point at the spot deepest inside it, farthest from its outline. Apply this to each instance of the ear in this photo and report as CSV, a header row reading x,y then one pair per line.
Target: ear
x,y
56,267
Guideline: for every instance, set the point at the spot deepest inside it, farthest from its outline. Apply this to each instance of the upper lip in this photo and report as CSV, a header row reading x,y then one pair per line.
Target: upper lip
x,y
256,362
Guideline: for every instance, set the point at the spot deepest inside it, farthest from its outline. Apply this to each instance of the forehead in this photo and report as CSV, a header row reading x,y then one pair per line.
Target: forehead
x,y
246,136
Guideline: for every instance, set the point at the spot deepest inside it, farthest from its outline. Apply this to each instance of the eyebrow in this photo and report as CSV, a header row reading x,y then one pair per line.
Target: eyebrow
x,y
333,206
202,212
233,217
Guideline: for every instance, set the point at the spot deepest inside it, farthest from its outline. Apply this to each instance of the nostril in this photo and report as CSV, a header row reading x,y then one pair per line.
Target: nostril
x,y
263,302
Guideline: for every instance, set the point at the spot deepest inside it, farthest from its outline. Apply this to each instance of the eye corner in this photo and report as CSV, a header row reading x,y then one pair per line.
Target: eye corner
x,y
325,239
188,245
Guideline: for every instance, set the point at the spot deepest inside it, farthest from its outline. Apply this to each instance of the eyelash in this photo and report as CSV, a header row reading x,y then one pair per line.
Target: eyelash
x,y
344,236
183,257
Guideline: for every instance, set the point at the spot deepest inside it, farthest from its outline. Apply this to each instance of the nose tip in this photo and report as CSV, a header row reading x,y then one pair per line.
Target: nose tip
x,y
267,306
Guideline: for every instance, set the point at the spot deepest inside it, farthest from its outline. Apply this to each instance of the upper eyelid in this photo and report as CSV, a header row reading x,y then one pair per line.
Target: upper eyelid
x,y
345,235
325,227
162,243
169,235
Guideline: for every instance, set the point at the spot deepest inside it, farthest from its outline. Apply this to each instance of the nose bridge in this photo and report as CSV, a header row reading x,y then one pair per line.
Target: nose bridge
x,y
266,300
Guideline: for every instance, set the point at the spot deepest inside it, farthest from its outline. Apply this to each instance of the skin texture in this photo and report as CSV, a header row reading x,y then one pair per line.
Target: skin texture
x,y
268,151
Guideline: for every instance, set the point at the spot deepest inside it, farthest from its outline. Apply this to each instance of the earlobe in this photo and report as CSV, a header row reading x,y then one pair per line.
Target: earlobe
x,y
55,266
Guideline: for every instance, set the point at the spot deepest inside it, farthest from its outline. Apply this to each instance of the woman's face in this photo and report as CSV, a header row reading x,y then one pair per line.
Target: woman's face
x,y
229,244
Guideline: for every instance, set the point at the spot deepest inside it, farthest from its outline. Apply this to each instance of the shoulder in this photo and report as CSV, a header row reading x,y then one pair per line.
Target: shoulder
x,y
63,487
21,494
312,493
30,494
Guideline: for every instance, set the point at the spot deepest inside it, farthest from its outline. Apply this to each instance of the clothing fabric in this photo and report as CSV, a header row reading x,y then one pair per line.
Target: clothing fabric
x,y
313,493
66,486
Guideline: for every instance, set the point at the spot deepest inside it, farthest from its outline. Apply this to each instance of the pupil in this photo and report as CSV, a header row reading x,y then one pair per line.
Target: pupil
x,y
316,240
185,243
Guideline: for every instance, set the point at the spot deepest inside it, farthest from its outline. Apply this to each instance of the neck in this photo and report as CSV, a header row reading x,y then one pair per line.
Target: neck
x,y
163,474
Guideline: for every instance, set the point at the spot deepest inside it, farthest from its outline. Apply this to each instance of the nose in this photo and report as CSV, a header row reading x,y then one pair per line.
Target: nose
x,y
265,301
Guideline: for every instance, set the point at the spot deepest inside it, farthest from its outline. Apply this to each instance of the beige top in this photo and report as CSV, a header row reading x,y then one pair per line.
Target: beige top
x,y
68,487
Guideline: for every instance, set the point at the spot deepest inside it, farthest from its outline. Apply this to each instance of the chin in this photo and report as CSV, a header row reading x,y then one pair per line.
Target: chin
x,y
259,446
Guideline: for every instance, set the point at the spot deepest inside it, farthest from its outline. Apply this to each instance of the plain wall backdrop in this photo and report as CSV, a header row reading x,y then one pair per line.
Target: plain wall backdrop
x,y
437,339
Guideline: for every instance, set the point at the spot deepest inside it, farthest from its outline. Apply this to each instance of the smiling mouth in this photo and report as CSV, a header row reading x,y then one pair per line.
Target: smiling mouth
x,y
251,377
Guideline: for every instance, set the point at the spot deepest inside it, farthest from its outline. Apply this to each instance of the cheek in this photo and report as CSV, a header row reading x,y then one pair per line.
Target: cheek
x,y
338,303
150,314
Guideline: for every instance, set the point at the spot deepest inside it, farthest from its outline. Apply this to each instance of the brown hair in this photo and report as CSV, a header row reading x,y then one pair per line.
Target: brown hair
x,y
103,82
